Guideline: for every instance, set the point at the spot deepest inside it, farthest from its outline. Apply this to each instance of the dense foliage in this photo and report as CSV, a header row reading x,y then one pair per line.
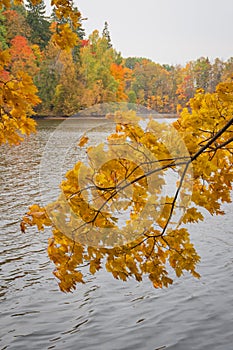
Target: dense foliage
x,y
54,53
113,211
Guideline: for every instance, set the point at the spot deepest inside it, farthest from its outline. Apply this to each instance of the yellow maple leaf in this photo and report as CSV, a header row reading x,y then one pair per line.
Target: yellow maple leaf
x,y
65,38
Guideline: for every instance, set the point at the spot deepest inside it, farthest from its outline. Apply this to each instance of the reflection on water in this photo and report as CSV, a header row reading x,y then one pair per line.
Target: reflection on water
x,y
105,313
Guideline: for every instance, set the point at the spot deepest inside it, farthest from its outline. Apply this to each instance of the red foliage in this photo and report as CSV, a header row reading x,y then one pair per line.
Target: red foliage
x,y
4,76
20,48
11,15
84,43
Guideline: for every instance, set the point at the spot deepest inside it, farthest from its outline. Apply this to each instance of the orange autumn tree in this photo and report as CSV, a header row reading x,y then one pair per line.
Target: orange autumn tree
x,y
121,75
117,209
18,94
23,57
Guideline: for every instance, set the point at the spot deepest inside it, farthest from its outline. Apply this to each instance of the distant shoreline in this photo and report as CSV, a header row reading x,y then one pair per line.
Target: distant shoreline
x,y
100,117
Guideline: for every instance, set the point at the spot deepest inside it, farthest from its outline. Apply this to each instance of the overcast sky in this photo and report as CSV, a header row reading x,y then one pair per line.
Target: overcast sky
x,y
166,31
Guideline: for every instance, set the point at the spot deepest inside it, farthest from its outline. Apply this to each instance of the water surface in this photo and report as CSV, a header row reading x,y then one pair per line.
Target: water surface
x,y
104,314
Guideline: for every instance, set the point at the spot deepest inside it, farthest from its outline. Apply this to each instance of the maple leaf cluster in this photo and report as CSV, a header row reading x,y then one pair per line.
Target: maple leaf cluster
x,y
113,213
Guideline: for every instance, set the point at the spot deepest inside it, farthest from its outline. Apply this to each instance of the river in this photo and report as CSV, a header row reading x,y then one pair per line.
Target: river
x,y
103,314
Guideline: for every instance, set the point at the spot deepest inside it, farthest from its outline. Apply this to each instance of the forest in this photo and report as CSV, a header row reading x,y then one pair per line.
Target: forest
x,y
93,71
48,67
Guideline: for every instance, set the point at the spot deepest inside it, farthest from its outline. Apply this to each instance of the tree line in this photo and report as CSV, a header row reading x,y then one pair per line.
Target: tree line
x,y
93,71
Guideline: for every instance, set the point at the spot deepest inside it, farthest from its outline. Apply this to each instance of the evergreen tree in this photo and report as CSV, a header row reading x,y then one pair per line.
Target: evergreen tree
x,y
40,32
106,34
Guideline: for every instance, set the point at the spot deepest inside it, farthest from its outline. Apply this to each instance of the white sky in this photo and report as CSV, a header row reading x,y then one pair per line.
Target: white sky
x,y
166,31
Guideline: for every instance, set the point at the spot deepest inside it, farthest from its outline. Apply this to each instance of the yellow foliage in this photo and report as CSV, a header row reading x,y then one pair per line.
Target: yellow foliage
x,y
4,58
17,98
64,37
112,211
5,3
17,91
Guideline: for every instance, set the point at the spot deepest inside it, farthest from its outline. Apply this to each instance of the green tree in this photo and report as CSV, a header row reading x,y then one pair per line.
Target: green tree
x,y
39,25
96,60
202,73
130,62
3,32
132,96
47,78
228,69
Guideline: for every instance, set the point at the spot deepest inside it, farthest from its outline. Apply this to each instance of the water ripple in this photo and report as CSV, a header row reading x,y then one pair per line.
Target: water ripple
x,y
105,313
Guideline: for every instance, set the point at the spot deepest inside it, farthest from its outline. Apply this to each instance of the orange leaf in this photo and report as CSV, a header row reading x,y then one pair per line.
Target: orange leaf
x,y
83,141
